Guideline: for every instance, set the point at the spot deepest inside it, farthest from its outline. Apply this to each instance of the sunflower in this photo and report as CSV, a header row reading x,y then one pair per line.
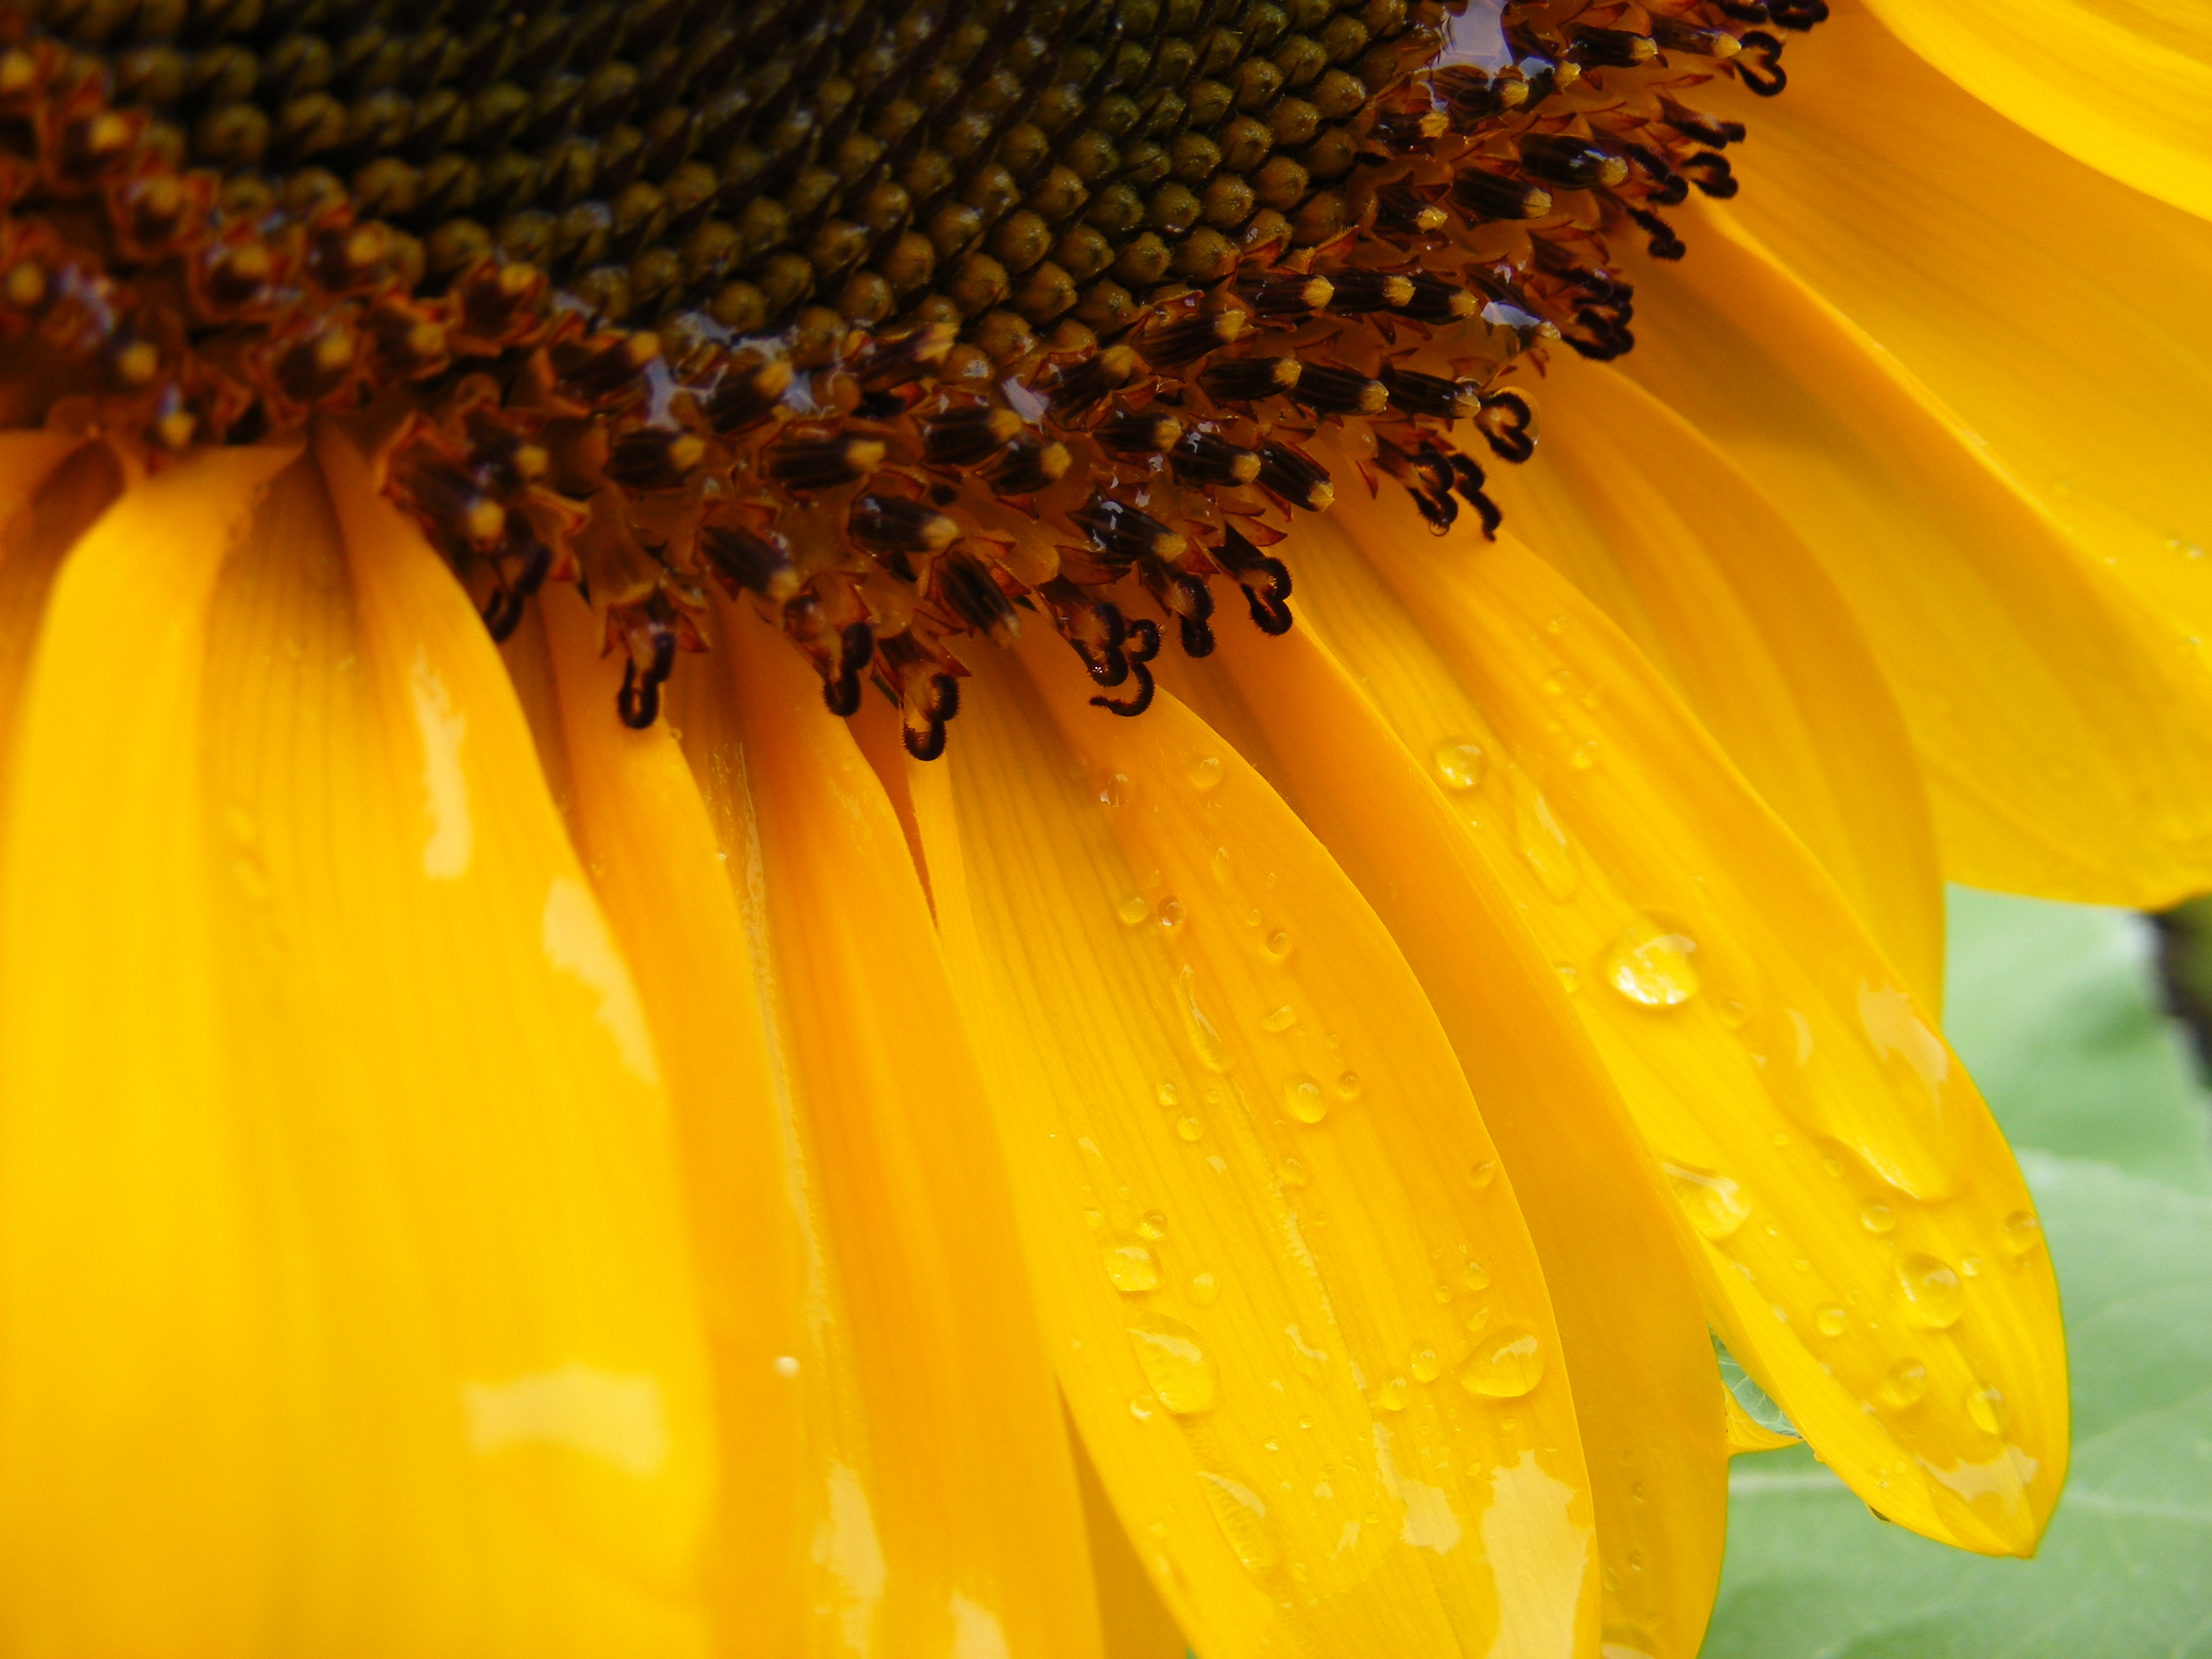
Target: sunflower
x,y
520,1132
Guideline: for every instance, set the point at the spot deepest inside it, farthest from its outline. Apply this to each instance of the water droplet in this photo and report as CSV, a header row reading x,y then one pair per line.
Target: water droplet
x,y
1243,1520
1152,1224
1650,966
2022,1232
1170,915
1175,1363
1556,625
1189,1128
1281,1020
1933,1296
1094,1219
1114,789
1832,1321
1877,1217
1348,1085
1143,1407
1204,1036
1278,944
1294,1173
1391,1396
1715,1204
1224,868
1585,754
1206,773
1732,1012
1982,1406
1203,1289
1971,1265
1483,1173
1569,976
1303,1100
1505,1366
1132,1268
1427,1367
1166,1095
1458,763
1544,844
1904,1386
1476,1277
1443,1293
786,1365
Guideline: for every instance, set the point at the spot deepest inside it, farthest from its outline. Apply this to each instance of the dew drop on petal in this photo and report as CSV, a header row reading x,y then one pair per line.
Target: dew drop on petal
x,y
1166,1095
1303,1100
1483,1174
1982,1406
1391,1396
1204,1036
1427,1366
1204,1289
1476,1277
1570,977
1832,1321
1544,844
1281,1020
1294,1173
1206,773
1347,1084
1189,1128
1458,763
1877,1217
1175,1362
1132,1268
2022,1232
1170,913
1278,944
1933,1295
1651,966
1242,1516
1715,1204
1904,1385
1144,1407
1132,909
1153,1225
1506,1365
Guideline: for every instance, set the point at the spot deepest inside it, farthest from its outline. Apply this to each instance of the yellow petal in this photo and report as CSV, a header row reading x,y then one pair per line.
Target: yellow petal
x,y
1638,1354
1681,549
1745,1435
342,1309
1136,1625
2128,88
946,1519
2046,311
1818,1136
1296,1313
2065,727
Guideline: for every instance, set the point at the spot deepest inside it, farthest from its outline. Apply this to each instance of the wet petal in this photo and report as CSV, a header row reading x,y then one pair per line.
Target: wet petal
x,y
1638,1354
2127,88
1775,1063
947,1518
2057,320
2066,728
1256,1193
1681,549
304,1004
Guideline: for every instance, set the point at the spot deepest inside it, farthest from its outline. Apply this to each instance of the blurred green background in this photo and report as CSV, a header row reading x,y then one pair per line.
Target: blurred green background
x,y
2055,1008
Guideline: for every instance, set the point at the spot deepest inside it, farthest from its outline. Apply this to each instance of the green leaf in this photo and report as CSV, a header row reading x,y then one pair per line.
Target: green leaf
x,y
2052,1008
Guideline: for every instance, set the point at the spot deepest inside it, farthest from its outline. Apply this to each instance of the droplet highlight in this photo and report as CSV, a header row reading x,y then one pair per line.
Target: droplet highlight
x,y
1505,1366
1175,1363
1650,966
2023,1233
1133,910
1303,1100
1904,1386
1132,1268
1877,1217
1933,1296
1715,1204
1206,773
1458,763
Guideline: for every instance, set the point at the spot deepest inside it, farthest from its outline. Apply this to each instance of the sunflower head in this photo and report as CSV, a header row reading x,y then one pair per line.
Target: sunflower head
x,y
909,320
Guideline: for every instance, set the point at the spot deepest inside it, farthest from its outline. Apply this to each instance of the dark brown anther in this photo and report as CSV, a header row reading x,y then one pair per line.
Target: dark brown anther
x,y
1797,14
314,367
1402,210
747,395
1183,595
968,436
1664,244
344,258
1604,48
1286,293
1673,34
1696,124
887,364
1247,380
927,693
1470,96
1758,65
1202,460
1142,645
840,668
1667,187
1711,175
460,514
1432,394
966,587
638,703
1296,476
1508,425
1094,627
1399,130
1438,301
812,461
1332,390
1136,433
1571,164
1361,291
1123,534
1170,346
892,525
532,560
91,147
1466,484
743,561
499,303
603,369
1485,196
1078,385
654,457
1426,473
1266,580
1029,464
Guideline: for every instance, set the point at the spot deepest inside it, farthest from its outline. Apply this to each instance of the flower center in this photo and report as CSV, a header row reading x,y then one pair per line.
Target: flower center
x,y
900,320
